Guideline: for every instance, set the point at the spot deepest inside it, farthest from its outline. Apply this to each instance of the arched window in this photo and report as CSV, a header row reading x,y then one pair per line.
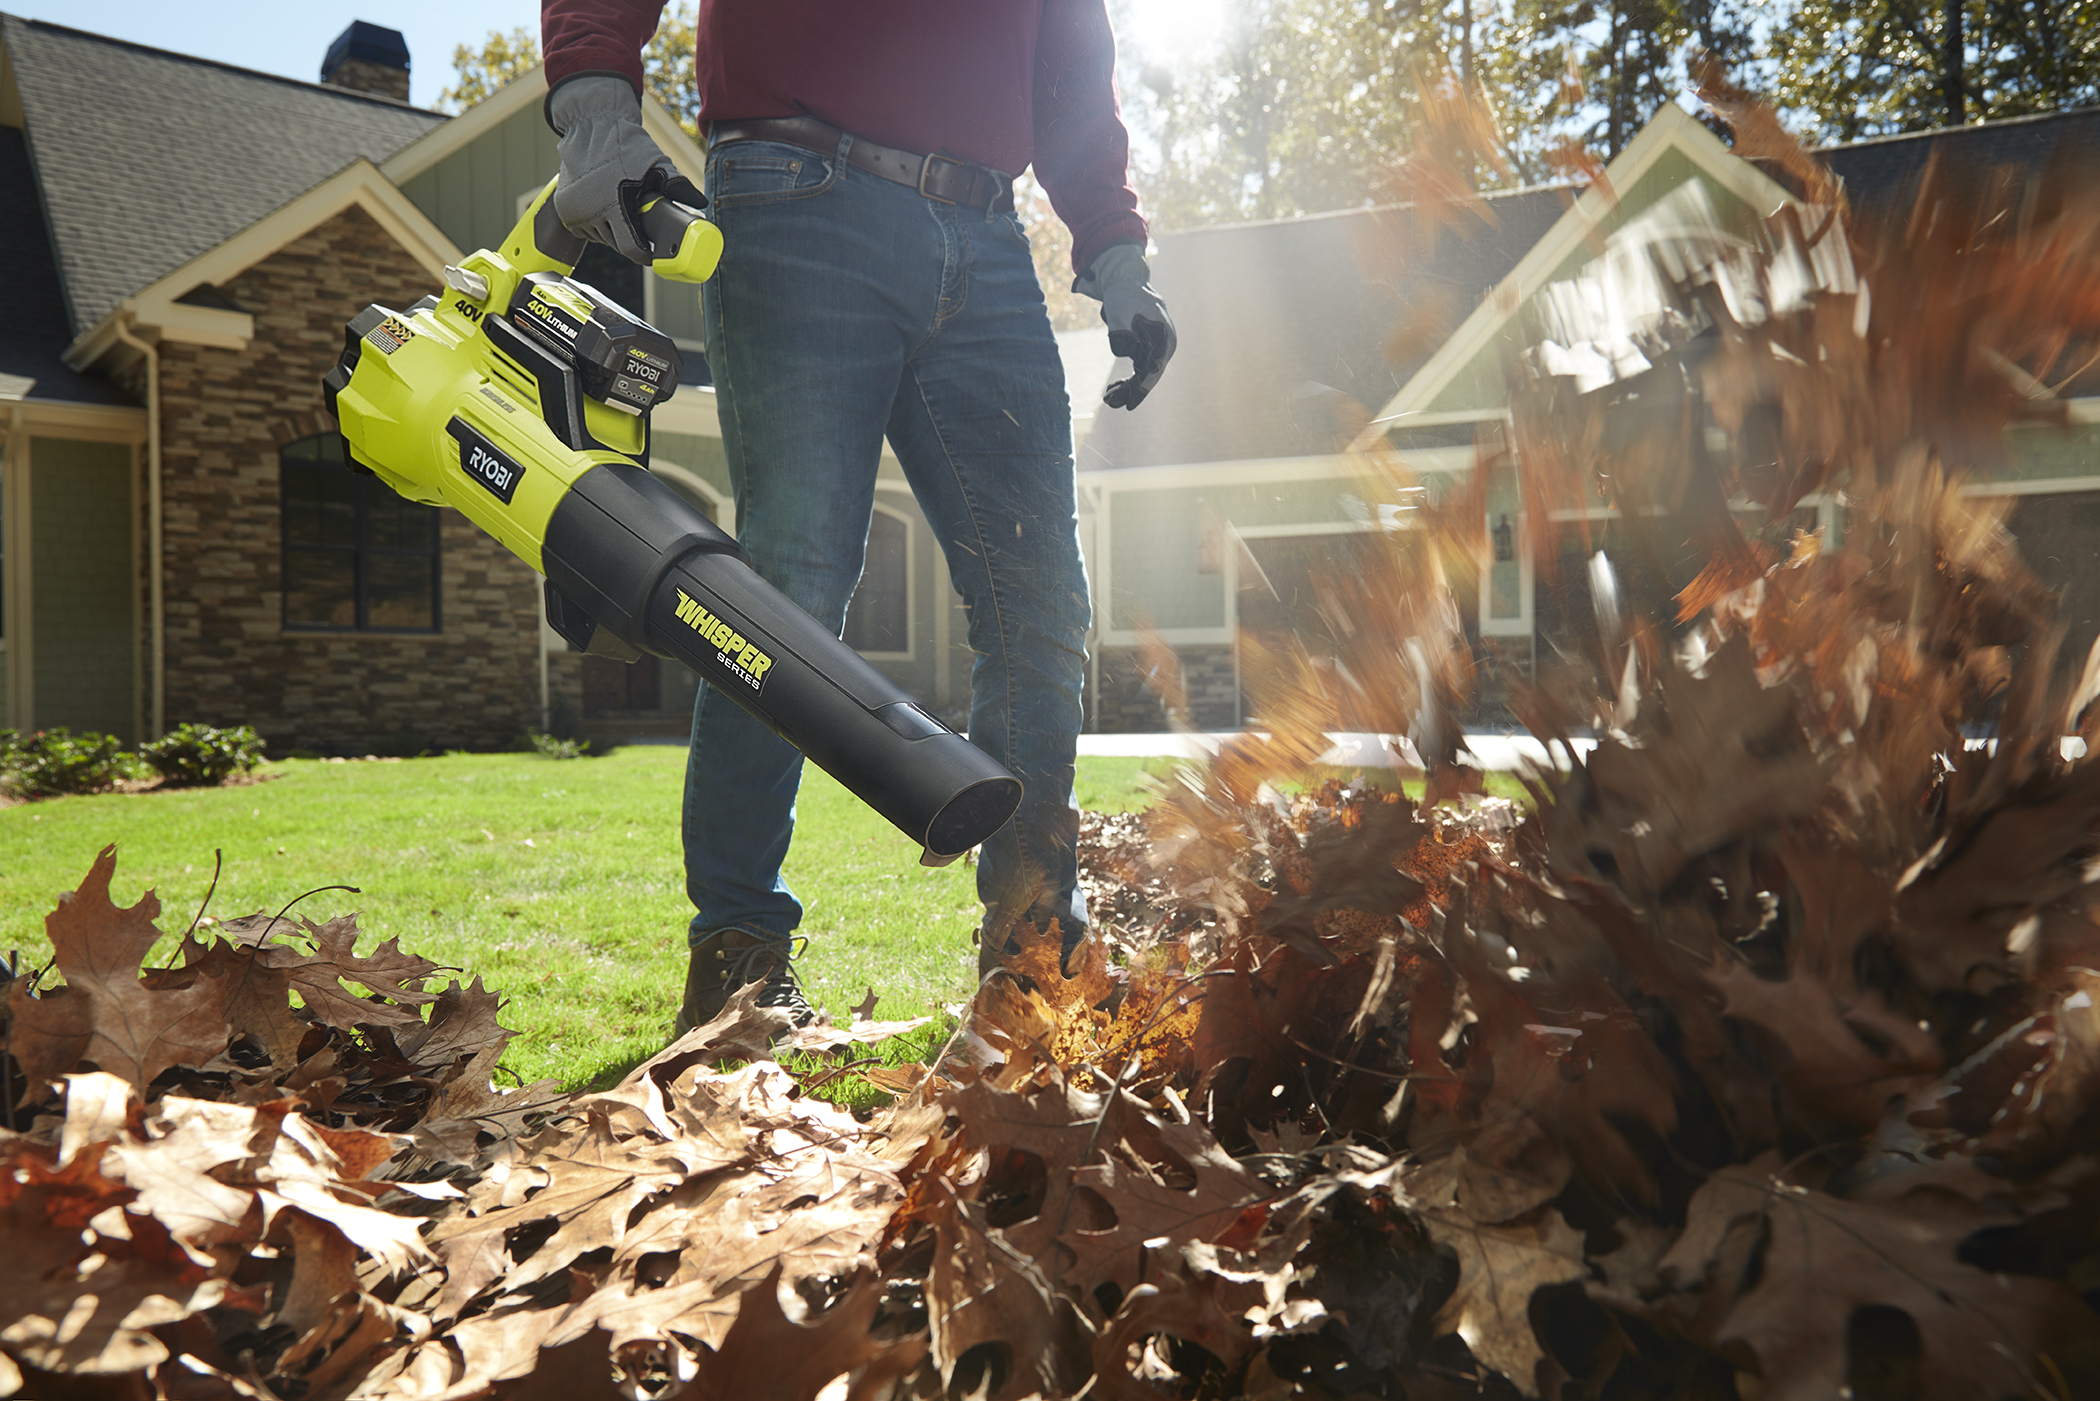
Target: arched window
x,y
879,618
357,557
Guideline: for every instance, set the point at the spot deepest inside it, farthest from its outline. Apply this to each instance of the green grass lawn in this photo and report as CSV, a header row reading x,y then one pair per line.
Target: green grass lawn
x,y
559,883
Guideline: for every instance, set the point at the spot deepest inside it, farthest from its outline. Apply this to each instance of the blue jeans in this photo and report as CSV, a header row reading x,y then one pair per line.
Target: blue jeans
x,y
847,309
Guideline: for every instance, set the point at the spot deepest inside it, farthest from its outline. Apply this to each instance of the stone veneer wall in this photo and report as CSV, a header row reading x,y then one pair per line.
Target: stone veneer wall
x,y
225,414
1126,703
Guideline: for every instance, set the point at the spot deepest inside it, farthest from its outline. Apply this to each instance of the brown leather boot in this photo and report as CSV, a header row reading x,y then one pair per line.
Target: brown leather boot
x,y
725,960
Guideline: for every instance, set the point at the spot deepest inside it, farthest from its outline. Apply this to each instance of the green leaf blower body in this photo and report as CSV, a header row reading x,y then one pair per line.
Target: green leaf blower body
x,y
521,398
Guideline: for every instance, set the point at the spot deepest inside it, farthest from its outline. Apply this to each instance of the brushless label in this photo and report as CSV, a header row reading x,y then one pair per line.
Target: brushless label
x,y
496,471
742,657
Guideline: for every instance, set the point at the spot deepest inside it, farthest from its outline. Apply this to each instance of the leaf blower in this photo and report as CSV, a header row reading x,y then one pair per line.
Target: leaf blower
x,y
521,397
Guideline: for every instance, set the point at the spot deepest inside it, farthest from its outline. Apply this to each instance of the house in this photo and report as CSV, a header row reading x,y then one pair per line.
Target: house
x,y
179,537
180,540
1236,478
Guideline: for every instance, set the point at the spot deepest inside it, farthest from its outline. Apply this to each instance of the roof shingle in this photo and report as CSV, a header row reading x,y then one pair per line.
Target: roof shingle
x,y
147,158
32,313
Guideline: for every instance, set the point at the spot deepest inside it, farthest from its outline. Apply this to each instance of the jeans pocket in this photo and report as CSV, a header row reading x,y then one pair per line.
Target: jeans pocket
x,y
757,172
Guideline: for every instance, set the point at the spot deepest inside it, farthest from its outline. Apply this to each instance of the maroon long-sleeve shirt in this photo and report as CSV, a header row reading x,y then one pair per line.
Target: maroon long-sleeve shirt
x,y
1001,83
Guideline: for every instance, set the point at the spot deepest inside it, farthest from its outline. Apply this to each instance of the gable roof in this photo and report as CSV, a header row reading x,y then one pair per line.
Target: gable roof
x,y
1282,323
32,313
1882,172
1672,147
174,306
147,158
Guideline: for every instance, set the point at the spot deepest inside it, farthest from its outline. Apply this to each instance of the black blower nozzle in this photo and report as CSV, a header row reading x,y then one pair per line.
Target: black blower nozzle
x,y
632,567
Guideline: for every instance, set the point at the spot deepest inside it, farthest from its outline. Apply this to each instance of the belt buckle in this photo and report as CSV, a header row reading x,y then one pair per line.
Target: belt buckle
x,y
926,168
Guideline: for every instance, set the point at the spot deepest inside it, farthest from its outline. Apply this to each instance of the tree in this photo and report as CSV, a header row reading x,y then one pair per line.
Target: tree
x,y
1306,103
1590,74
1852,68
667,67
479,74
1296,110
1051,244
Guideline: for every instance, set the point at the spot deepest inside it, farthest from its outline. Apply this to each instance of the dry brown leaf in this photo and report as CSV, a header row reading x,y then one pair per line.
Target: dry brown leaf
x,y
982,1293
77,1299
106,1014
1165,1186
319,977
1509,1168
1826,1256
766,1354
1499,1269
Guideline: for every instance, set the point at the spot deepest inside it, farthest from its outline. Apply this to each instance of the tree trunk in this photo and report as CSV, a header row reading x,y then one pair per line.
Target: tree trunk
x,y
1465,42
1952,64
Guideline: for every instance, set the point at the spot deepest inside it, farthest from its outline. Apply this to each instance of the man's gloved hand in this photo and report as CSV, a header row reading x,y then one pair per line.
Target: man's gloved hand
x,y
1138,325
609,165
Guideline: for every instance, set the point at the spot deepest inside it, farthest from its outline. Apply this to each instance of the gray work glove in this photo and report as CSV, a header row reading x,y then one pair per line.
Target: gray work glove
x,y
1139,328
609,165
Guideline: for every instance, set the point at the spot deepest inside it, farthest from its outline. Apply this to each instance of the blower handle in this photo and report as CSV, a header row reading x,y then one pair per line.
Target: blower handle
x,y
684,245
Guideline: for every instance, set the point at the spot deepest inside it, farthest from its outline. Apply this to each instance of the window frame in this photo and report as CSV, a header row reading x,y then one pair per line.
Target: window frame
x,y
361,551
911,587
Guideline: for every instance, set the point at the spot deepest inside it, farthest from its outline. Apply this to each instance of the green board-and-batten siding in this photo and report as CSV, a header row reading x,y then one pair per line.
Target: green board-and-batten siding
x,y
83,599
1163,571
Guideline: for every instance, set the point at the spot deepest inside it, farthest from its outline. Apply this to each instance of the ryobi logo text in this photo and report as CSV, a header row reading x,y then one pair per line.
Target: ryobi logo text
x,y
497,472
734,650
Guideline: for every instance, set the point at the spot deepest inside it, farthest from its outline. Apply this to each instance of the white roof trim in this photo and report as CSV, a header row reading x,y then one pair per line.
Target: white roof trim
x,y
358,183
1673,129
526,90
670,138
529,89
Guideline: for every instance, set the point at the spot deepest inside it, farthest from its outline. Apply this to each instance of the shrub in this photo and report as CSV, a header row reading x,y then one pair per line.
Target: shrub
x,y
56,761
203,754
550,747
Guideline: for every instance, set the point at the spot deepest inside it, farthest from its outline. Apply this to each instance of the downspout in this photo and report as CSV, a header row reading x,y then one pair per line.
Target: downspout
x,y
155,612
20,696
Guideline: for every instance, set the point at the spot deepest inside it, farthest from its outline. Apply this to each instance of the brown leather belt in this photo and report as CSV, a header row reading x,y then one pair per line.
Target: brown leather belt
x,y
937,177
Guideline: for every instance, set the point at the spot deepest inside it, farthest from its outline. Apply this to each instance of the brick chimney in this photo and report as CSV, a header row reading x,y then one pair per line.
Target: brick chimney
x,y
367,58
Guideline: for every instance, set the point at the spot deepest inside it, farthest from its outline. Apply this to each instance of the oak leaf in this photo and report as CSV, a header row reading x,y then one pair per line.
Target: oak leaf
x,y
1499,1269
1825,1257
75,1298
981,1291
767,1354
1167,1185
130,1029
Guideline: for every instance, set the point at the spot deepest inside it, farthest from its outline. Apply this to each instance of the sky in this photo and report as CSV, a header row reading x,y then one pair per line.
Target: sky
x,y
290,39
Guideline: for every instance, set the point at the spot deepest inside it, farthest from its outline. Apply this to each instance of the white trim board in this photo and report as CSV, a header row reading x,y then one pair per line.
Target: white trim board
x,y
153,308
2038,486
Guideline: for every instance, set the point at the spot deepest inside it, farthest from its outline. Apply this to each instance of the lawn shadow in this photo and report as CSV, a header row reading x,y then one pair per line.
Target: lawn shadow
x,y
611,1074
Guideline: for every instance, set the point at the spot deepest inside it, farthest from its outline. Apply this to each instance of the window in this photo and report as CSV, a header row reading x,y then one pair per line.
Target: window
x,y
879,618
357,558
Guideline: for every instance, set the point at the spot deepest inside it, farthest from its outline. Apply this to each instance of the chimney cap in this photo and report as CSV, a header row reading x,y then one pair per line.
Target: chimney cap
x,y
372,43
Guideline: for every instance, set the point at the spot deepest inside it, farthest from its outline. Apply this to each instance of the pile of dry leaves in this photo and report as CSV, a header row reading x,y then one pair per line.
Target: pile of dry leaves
x,y
1759,1058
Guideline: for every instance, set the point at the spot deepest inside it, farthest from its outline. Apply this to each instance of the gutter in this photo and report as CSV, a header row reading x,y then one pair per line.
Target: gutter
x,y
155,605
